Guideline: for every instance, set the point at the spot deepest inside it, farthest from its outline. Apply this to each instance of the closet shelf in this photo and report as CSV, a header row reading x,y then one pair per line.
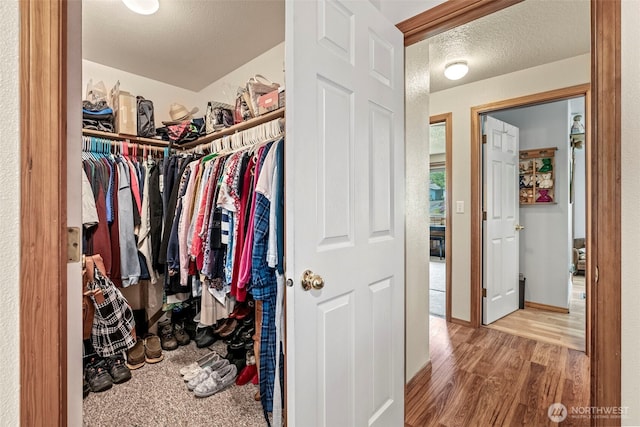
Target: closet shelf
x,y
118,137
272,115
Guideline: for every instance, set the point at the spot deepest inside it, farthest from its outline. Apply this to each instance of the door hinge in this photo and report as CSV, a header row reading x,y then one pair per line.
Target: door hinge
x,y
73,244
484,139
484,215
597,275
484,292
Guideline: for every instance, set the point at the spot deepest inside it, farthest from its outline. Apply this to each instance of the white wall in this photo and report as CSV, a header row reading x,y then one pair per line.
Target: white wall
x,y
459,101
630,210
545,248
10,214
270,64
417,208
162,94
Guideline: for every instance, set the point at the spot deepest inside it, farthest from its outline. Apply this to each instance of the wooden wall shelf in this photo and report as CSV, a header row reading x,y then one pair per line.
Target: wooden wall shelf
x,y
537,176
272,115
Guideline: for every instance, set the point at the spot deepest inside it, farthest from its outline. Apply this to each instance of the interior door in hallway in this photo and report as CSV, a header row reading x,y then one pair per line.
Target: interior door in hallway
x,y
345,215
500,229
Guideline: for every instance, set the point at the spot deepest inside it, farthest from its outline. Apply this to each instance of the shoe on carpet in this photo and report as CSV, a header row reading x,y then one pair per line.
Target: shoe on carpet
x,y
181,335
212,365
153,349
209,357
256,380
221,325
228,329
97,375
135,355
216,382
167,339
246,375
85,388
207,338
118,369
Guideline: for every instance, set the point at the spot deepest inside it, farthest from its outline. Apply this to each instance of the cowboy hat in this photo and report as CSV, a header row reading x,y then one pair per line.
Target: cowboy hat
x,y
179,113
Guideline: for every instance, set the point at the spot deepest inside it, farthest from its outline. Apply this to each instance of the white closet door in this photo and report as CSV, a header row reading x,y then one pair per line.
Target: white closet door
x,y
345,215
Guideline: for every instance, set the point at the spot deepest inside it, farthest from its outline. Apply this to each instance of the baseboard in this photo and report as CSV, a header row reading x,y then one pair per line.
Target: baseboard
x,y
529,304
422,371
461,322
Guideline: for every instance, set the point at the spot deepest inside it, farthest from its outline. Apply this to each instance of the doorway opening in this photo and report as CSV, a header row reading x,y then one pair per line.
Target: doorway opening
x,y
440,227
550,202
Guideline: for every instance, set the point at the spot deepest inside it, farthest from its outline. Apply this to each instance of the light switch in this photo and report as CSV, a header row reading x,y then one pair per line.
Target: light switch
x,y
460,206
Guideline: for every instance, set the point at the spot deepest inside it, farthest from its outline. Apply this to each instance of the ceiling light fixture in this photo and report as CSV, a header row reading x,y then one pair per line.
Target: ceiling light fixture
x,y
456,70
143,7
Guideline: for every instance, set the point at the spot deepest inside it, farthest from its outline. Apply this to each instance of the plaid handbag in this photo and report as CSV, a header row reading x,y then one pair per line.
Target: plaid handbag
x,y
113,325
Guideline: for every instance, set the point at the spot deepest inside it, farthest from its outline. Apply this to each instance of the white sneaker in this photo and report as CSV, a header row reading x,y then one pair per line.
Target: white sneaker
x,y
217,381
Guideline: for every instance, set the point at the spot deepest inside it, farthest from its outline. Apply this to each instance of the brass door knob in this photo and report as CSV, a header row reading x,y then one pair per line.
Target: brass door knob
x,y
310,280
519,227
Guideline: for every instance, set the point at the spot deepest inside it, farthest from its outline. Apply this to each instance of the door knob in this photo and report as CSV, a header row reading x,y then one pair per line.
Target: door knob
x,y
519,227
310,280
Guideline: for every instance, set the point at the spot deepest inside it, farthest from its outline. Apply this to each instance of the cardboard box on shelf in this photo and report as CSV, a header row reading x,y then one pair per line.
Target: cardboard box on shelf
x,y
125,109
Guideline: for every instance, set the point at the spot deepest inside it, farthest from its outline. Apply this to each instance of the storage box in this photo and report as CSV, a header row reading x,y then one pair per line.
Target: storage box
x,y
281,97
268,102
125,110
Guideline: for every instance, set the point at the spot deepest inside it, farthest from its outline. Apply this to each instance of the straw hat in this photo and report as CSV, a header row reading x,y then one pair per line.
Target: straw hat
x,y
179,113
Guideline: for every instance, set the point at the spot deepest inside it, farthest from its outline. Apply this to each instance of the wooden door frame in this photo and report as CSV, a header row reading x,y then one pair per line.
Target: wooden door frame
x,y
447,119
43,201
476,188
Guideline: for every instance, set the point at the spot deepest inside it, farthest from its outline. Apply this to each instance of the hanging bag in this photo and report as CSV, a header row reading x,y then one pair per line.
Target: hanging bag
x,y
257,86
113,328
146,121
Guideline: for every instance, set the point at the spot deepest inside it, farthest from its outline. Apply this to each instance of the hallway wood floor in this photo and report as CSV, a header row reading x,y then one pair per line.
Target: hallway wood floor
x,y
485,377
566,329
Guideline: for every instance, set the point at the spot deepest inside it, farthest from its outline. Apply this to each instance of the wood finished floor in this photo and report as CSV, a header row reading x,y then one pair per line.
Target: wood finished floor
x,y
566,329
485,377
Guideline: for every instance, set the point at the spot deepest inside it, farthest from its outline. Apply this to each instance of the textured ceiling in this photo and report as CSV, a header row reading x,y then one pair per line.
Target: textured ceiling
x,y
192,43
187,43
531,33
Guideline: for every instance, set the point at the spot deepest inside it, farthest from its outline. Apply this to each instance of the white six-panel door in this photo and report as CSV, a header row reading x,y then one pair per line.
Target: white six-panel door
x,y
501,242
345,216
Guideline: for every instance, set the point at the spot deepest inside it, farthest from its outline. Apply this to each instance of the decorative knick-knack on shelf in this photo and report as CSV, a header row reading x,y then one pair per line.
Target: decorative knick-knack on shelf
x,y
577,127
546,166
544,196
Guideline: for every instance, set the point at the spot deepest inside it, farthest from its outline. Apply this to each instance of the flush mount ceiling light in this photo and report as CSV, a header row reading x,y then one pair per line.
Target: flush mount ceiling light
x,y
143,7
456,70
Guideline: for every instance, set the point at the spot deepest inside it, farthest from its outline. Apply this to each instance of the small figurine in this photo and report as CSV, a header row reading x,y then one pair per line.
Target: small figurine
x,y
544,180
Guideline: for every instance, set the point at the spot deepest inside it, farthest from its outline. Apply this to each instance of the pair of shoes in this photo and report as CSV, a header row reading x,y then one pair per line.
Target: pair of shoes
x,y
214,361
198,364
206,372
97,375
216,381
239,332
118,369
243,340
167,338
206,338
147,350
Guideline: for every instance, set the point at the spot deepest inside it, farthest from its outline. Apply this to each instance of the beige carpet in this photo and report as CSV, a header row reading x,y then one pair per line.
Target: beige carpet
x,y
156,395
